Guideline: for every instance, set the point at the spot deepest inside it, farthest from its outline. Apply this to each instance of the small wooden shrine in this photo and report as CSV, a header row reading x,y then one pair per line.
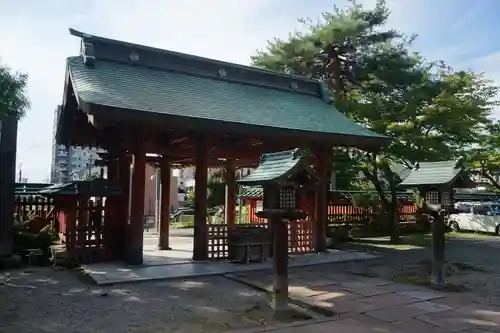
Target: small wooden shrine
x,y
435,182
189,110
88,223
284,176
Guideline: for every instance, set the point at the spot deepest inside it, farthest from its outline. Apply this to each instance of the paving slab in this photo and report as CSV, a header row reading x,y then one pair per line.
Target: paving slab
x,y
397,313
454,321
111,273
423,295
341,325
429,307
413,325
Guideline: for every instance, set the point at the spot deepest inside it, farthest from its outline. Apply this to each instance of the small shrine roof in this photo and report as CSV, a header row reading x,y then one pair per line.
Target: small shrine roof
x,y
94,188
276,167
437,173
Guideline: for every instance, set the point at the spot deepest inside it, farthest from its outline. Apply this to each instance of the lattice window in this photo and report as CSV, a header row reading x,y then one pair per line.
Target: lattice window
x,y
258,206
288,198
432,197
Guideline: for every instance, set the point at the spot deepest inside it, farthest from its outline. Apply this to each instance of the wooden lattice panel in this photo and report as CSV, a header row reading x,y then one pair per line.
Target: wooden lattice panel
x,y
217,241
84,238
432,197
300,236
287,198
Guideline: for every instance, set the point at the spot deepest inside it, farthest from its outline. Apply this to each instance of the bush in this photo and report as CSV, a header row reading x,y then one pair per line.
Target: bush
x,y
27,238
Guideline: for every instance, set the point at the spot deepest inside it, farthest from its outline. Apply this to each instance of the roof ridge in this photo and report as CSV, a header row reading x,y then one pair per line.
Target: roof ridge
x,y
323,94
293,153
291,79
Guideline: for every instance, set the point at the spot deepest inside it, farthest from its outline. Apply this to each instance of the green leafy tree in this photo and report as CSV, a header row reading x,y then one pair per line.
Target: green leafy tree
x,y
13,99
334,51
431,111
484,159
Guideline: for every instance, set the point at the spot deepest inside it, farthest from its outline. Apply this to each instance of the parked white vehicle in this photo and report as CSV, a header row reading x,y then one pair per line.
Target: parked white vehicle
x,y
474,216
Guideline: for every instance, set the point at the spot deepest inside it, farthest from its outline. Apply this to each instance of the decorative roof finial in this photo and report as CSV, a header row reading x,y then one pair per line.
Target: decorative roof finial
x,y
87,52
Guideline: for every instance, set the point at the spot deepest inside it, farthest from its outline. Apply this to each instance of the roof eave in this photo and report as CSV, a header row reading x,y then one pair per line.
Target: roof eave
x,y
370,143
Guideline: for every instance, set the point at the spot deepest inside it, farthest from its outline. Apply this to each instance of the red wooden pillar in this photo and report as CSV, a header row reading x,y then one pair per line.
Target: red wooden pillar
x,y
165,178
230,202
323,160
135,226
111,227
122,204
200,246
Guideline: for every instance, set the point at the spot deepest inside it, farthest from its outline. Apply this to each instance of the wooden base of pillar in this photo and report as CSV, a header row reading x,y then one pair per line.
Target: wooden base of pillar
x,y
438,246
280,266
164,248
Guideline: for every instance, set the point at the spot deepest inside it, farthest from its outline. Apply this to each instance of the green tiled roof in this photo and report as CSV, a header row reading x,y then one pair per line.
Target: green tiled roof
x,y
400,169
274,167
255,192
29,188
122,85
87,188
433,173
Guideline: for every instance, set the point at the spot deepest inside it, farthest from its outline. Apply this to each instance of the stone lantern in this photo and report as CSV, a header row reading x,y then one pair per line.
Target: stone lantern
x,y
282,175
436,182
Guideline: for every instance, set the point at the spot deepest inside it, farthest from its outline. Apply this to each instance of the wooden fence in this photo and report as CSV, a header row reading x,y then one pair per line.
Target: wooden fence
x,y
29,206
300,237
342,212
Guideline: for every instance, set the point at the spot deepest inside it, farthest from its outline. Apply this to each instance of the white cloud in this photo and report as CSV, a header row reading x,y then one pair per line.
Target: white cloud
x,y
38,41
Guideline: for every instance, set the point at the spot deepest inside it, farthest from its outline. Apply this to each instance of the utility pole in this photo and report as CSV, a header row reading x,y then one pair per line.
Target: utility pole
x,y
20,176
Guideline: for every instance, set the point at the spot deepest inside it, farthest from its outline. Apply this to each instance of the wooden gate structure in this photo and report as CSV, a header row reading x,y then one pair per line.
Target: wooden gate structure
x,y
132,100
86,219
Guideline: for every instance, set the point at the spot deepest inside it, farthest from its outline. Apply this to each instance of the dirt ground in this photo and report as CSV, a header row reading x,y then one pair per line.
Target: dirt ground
x,y
47,300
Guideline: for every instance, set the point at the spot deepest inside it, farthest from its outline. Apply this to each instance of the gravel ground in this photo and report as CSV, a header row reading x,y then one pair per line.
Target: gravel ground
x,y
47,300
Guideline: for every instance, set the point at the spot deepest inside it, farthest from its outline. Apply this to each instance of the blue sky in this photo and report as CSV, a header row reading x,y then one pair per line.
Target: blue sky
x,y
461,32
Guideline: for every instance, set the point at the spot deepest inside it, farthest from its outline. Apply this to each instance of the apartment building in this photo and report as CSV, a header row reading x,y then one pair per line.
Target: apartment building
x,y
71,163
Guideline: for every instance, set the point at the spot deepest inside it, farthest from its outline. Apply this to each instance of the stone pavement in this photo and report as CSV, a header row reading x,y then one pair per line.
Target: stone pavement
x,y
111,273
360,304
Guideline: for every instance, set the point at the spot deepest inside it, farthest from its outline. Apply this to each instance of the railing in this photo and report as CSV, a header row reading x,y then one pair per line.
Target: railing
x,y
343,212
29,206
300,238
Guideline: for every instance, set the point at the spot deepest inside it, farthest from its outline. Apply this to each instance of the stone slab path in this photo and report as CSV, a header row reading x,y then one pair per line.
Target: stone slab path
x,y
111,273
365,305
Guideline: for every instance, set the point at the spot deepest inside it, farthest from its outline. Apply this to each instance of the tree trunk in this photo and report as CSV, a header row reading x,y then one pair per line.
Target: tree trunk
x,y
487,175
394,217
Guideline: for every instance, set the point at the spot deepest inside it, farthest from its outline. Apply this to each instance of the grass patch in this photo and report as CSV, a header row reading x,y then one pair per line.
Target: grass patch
x,y
415,241
469,235
186,221
420,275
